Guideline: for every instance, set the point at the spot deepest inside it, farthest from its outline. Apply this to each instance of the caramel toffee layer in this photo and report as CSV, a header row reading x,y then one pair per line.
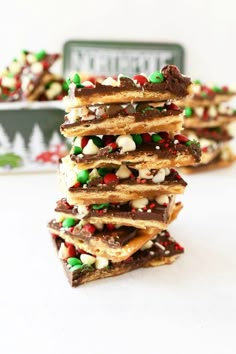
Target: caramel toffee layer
x,y
162,248
165,149
152,211
113,238
174,82
217,134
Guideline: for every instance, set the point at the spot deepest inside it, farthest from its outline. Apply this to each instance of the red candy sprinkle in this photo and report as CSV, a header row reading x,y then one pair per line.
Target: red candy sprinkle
x,y
110,227
76,185
172,107
113,146
152,205
181,138
84,141
45,64
225,88
110,178
164,135
141,79
71,251
89,228
147,138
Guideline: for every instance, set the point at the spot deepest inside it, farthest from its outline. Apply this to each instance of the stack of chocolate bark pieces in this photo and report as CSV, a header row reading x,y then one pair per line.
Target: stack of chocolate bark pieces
x,y
208,116
29,78
119,181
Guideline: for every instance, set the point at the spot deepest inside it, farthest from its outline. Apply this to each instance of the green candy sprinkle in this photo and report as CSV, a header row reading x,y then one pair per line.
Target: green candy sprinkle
x,y
160,109
100,206
137,139
47,86
83,176
65,86
156,138
97,141
77,150
216,89
188,112
40,55
24,51
197,82
156,78
76,267
76,79
148,109
68,222
73,261
188,143
103,171
68,81
79,86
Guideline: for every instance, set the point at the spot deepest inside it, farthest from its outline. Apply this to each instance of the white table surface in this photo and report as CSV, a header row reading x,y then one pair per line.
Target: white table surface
x,y
188,307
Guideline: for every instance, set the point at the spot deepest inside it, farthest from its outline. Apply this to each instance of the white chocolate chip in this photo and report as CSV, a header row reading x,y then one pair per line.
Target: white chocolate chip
x,y
199,111
110,82
94,174
59,217
82,211
90,148
101,262
147,245
8,82
139,203
87,259
15,67
21,58
167,171
145,173
123,172
163,199
54,90
37,68
196,88
31,58
126,143
63,252
212,111
160,176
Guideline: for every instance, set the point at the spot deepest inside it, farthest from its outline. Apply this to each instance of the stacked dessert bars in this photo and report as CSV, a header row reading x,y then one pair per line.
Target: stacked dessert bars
x,y
207,119
29,78
119,180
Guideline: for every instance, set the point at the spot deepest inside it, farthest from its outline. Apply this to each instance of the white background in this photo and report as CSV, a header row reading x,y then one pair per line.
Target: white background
x,y
206,28
187,307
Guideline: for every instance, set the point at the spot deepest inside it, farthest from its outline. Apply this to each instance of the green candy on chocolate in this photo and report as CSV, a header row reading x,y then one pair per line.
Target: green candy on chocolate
x,y
97,141
73,261
65,85
197,82
76,79
40,55
216,89
68,222
83,176
156,138
156,78
137,138
77,150
148,109
188,143
103,171
188,111
100,206
76,267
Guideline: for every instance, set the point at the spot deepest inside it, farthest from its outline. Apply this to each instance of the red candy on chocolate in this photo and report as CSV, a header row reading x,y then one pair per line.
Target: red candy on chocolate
x,y
141,79
164,135
110,178
90,228
113,146
71,251
181,138
147,138
110,227
84,141
172,107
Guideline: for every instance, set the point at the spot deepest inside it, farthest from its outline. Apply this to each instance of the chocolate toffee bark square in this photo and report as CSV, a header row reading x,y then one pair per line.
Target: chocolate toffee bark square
x,y
81,267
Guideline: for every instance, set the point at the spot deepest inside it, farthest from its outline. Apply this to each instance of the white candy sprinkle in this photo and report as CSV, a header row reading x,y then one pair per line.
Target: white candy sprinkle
x,y
176,141
157,147
160,246
167,252
151,253
149,211
146,245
